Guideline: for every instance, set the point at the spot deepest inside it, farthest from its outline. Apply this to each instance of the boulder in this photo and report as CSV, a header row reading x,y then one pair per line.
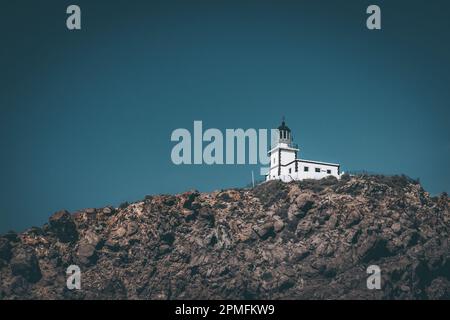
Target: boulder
x,y
119,233
439,289
5,249
353,218
285,283
25,263
245,233
299,253
11,236
396,227
107,211
188,214
86,253
304,202
132,228
188,199
90,211
63,226
265,231
278,225
168,238
163,249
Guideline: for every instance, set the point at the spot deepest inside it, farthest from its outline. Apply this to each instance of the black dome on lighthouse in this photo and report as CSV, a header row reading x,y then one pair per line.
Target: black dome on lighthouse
x,y
284,127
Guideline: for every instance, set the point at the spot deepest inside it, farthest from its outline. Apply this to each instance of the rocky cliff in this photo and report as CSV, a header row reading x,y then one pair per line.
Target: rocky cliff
x,y
301,240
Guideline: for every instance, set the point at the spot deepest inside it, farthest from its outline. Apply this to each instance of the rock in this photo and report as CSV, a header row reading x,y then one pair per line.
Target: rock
x,y
245,233
353,218
112,244
86,253
24,263
132,228
163,249
395,216
114,288
206,214
439,289
107,211
35,231
278,225
332,222
188,199
304,227
396,227
19,286
351,236
5,249
90,211
299,254
170,201
92,238
188,214
168,238
63,226
304,203
373,248
265,231
119,233
286,283
405,288
11,236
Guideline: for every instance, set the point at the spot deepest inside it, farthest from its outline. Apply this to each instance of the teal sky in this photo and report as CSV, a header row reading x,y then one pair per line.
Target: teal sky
x,y
86,116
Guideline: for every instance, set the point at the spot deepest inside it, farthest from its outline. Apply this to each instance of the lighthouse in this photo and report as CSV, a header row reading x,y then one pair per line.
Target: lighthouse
x,y
286,166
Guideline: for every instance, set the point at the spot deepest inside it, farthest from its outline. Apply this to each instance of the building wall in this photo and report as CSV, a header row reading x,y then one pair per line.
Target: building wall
x,y
287,156
324,171
288,173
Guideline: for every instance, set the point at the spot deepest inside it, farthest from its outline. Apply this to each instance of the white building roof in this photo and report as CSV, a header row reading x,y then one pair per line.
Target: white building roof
x,y
319,162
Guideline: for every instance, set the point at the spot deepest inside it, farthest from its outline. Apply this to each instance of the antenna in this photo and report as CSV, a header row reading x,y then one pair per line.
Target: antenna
x,y
253,179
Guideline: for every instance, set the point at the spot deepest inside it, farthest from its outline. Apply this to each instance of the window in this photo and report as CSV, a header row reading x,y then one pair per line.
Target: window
x,y
273,160
329,171
290,170
306,169
317,169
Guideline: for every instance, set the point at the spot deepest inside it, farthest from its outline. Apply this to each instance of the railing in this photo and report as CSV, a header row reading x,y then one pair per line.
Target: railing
x,y
290,145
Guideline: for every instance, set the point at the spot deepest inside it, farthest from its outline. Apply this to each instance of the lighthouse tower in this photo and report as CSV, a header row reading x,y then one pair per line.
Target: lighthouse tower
x,y
282,155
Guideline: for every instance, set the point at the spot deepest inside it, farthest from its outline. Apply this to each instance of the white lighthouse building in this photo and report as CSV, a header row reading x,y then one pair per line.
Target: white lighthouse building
x,y
285,166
